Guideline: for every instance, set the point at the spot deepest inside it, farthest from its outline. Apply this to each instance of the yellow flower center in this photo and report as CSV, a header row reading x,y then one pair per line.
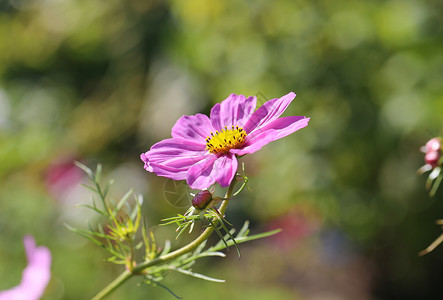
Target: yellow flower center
x,y
223,141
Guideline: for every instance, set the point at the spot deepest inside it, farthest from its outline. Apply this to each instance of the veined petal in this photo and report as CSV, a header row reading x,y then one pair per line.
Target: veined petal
x,y
172,172
196,128
202,174
268,112
226,167
233,111
145,159
212,169
273,131
172,158
282,126
175,168
174,147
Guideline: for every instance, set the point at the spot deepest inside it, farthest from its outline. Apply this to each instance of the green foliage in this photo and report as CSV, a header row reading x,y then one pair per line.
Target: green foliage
x,y
209,214
185,262
118,234
434,181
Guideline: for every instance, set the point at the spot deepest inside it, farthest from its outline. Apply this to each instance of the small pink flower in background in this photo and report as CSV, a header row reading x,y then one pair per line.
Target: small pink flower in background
x,y
295,226
433,152
35,276
62,176
204,150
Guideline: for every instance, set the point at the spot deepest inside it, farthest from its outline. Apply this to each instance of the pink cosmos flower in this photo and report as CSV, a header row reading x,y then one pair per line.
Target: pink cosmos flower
x,y
204,150
35,276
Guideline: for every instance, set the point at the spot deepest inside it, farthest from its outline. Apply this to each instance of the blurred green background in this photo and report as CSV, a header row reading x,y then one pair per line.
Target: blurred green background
x,y
101,81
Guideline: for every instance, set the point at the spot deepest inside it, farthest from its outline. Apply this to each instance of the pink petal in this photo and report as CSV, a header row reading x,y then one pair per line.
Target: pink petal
x,y
172,149
196,128
176,146
273,131
172,172
35,276
233,111
268,112
147,165
213,169
172,158
202,174
226,167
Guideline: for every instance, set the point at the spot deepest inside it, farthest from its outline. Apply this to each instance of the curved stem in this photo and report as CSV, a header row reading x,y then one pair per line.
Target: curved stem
x,y
113,285
161,259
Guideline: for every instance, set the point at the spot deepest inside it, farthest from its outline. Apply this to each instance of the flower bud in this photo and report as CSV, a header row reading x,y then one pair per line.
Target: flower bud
x,y
202,199
433,152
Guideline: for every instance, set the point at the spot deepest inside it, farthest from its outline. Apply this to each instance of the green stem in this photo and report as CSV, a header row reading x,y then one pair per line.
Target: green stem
x,y
113,285
161,259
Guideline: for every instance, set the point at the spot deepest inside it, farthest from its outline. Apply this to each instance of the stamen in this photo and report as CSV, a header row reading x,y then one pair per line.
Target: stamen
x,y
223,141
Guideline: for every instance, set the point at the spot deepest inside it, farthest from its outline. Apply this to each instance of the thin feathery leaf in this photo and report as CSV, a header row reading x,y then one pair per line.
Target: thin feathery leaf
x,y
107,187
84,234
98,173
167,289
220,235
181,230
231,238
191,227
245,239
436,185
431,247
135,212
100,228
145,238
166,248
204,254
85,169
244,231
124,199
91,188
94,208
139,245
198,275
200,247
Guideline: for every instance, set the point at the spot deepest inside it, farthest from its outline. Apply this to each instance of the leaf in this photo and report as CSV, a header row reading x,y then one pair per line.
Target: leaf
x,y
200,247
136,212
228,233
240,240
84,234
107,187
220,235
139,199
198,275
431,247
155,283
94,208
98,173
204,254
93,189
436,185
123,200
181,230
244,231
85,169
166,248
